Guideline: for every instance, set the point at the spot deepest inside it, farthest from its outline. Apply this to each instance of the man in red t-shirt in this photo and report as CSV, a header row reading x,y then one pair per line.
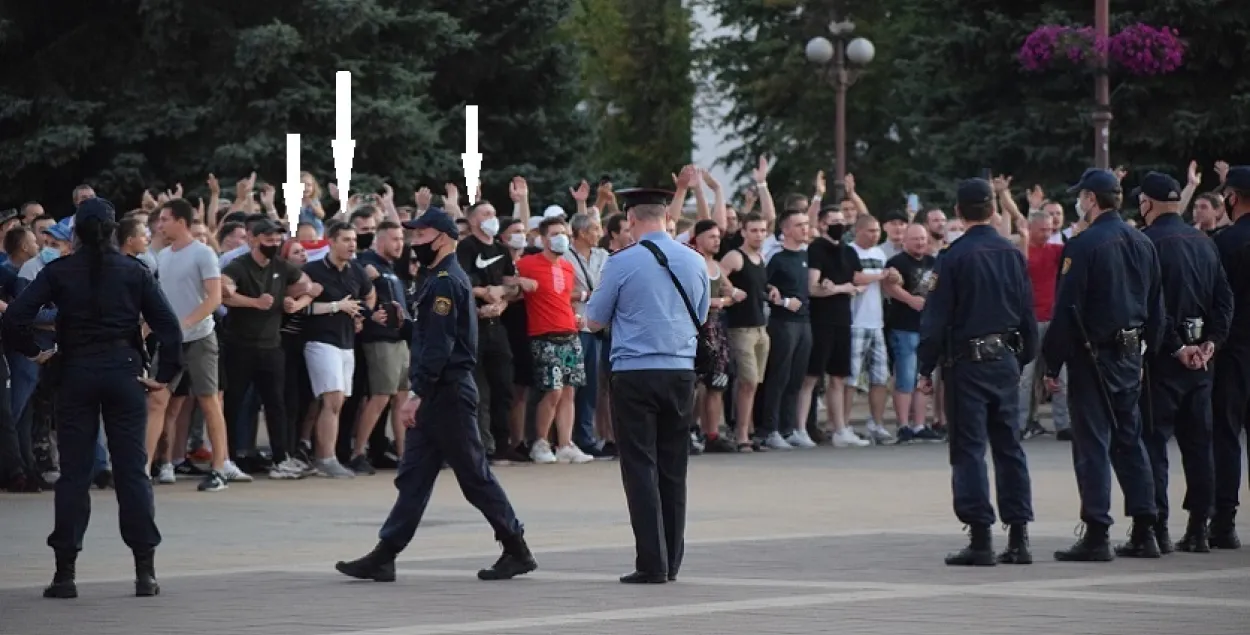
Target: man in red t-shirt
x,y
554,344
1044,259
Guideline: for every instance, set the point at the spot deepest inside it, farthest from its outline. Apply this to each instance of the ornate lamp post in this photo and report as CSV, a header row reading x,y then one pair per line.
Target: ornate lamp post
x,y
847,57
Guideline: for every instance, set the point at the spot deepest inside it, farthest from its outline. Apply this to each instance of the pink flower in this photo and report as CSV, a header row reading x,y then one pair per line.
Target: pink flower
x,y
1139,49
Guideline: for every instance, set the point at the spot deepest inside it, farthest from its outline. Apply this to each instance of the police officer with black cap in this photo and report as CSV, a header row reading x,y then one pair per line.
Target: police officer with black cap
x,y
1176,399
442,414
979,322
1108,303
101,296
1231,389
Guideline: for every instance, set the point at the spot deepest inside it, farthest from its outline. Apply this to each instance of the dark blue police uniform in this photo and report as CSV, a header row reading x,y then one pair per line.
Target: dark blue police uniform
x,y
1110,297
1176,400
1231,389
101,296
444,345
979,321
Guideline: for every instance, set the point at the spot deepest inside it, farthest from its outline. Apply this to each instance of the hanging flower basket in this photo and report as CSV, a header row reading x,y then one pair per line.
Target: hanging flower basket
x,y
1139,49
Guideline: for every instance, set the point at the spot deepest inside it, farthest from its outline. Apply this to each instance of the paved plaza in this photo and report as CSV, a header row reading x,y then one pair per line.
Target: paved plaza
x,y
820,541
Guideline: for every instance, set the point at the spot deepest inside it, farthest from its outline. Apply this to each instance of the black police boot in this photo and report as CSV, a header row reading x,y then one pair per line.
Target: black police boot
x,y
1141,540
516,560
1163,535
377,565
145,574
63,586
1093,546
1223,531
978,553
1017,551
1196,538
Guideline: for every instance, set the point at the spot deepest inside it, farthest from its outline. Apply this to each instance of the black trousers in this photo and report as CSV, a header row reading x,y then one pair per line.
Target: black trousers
x,y
263,368
1230,402
297,391
12,461
652,411
493,376
1177,403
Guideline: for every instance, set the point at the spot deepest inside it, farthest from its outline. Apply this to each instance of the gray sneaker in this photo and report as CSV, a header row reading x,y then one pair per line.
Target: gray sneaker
x,y
331,468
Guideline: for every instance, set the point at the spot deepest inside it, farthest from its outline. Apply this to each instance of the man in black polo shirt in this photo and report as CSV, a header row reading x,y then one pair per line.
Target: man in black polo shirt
x,y
489,265
383,345
347,296
256,286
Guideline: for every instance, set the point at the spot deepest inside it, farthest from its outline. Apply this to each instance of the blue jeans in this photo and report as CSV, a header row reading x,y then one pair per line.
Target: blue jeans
x,y
587,394
903,345
23,378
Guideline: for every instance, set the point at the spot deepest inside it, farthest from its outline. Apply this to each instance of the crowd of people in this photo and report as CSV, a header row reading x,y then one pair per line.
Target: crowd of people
x,y
815,303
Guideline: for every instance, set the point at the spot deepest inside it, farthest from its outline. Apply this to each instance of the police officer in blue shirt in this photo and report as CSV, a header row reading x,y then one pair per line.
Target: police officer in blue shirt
x,y
1109,302
1176,399
442,414
1231,388
99,372
978,320
655,296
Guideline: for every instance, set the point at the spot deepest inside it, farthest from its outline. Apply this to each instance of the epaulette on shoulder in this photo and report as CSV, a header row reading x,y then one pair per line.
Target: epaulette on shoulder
x,y
443,274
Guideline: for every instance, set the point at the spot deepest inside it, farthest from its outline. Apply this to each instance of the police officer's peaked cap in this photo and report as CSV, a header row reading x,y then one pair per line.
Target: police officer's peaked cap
x,y
973,192
1097,181
1159,187
97,208
435,218
1238,178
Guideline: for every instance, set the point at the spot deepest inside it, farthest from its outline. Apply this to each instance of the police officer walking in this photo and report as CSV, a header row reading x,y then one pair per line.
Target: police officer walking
x,y
1176,399
442,414
978,320
101,296
1230,393
1108,302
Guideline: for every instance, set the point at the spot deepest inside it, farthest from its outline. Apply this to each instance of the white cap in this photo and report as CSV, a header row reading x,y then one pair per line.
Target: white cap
x,y
553,211
535,221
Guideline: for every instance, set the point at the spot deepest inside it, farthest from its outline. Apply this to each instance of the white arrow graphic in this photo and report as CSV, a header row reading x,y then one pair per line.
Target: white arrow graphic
x,y
292,188
471,159
343,146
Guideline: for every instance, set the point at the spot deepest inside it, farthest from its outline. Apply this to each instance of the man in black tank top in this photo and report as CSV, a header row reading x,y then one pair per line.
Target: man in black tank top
x,y
748,337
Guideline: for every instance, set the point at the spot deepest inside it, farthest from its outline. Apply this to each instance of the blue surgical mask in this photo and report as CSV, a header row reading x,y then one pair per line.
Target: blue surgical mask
x,y
48,254
559,244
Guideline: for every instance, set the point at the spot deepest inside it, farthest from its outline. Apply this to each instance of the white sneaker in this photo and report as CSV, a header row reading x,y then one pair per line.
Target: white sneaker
x,y
774,442
233,474
331,468
846,438
287,470
879,435
800,439
572,454
166,475
541,452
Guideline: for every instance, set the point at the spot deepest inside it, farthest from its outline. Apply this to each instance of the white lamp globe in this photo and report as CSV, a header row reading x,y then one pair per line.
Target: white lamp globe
x,y
819,50
860,51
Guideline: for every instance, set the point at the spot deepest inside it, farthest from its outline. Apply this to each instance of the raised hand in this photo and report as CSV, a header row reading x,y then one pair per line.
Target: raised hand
x,y
518,189
581,193
1221,169
1037,197
1194,175
214,188
422,198
760,173
820,183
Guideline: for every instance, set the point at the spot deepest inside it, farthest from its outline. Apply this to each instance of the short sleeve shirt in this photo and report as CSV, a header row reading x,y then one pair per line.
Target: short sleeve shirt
x,y
350,282
549,308
254,327
183,273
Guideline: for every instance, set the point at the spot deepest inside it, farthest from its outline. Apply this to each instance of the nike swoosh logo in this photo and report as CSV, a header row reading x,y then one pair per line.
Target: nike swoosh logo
x,y
482,264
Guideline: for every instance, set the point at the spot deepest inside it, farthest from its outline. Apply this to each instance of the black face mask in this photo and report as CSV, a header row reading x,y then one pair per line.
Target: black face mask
x,y
269,251
836,231
364,241
1228,205
425,254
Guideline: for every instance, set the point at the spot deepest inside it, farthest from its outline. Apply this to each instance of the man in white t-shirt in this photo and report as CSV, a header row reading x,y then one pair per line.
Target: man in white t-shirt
x,y
870,365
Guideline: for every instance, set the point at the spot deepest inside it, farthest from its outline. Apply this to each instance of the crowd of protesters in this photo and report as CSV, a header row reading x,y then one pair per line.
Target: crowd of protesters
x,y
815,304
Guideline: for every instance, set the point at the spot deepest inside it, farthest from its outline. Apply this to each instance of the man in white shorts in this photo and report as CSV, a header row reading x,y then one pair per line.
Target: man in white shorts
x,y
330,352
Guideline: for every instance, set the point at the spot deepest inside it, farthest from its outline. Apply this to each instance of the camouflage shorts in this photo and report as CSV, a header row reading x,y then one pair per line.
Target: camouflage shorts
x,y
558,363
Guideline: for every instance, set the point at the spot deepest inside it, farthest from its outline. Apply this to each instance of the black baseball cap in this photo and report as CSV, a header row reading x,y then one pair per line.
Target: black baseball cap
x,y
974,192
264,227
1158,186
435,218
1097,181
1238,178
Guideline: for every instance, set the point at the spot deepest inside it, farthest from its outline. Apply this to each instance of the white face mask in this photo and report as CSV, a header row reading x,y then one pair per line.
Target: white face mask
x,y
538,242
490,227
559,244
953,236
517,241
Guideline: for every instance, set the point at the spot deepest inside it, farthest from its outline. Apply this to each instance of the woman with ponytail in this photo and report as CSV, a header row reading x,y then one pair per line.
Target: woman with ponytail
x,y
99,371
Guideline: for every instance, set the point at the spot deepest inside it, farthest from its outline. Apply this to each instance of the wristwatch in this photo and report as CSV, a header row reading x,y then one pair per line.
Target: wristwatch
x,y
334,307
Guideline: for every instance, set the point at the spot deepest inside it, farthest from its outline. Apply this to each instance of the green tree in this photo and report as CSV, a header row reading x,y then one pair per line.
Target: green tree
x,y
783,106
636,84
971,105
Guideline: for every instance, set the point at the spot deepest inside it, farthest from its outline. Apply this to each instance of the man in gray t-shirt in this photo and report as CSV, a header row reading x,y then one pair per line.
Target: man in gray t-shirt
x,y
190,278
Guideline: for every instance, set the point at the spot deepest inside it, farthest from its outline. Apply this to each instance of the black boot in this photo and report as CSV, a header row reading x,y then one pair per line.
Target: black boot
x,y
1141,540
377,565
1163,536
978,553
1017,551
63,586
145,574
1092,547
1223,531
516,560
1196,538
